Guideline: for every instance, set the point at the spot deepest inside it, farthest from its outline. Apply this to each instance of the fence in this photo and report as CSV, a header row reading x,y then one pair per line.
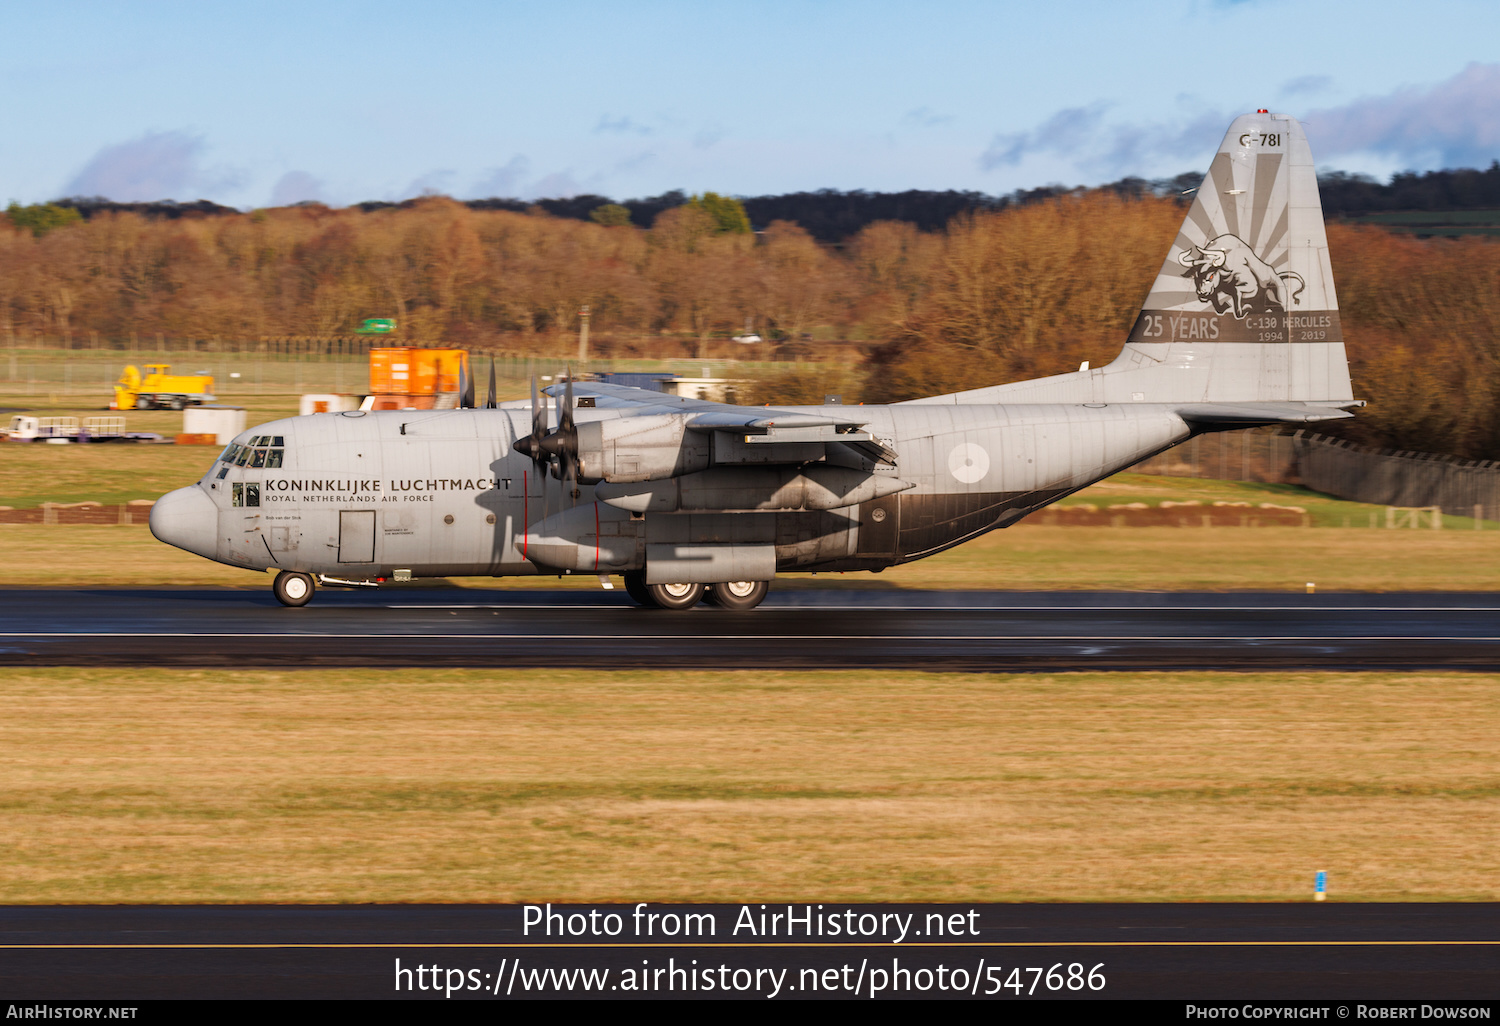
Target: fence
x,y
1463,488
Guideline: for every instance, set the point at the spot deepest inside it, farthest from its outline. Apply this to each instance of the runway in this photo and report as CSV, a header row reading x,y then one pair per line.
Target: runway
x,y
797,628
1240,951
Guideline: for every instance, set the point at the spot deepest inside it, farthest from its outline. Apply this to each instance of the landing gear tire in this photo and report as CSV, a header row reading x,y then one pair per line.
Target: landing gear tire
x,y
177,404
636,588
293,589
675,596
143,403
737,594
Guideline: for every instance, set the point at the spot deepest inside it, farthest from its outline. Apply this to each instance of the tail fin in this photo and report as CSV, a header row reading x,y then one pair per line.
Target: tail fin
x,y
1243,308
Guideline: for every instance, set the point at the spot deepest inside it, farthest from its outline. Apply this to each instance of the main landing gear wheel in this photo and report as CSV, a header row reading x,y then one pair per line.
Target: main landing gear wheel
x,y
636,588
737,594
293,589
675,596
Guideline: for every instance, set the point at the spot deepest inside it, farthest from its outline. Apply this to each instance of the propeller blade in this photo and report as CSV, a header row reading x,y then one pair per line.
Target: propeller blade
x,y
538,413
532,444
489,397
465,384
568,452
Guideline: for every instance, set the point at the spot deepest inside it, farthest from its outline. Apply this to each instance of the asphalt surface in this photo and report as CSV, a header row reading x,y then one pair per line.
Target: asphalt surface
x,y
1306,951
797,628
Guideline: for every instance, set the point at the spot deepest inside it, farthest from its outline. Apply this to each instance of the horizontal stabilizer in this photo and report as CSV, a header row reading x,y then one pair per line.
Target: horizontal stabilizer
x,y
1249,414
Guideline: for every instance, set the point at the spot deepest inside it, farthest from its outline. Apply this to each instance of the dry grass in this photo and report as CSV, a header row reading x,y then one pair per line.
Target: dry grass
x,y
1022,558
176,786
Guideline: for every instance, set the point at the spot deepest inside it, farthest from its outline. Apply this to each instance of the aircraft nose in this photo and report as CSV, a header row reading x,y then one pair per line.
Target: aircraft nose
x,y
188,519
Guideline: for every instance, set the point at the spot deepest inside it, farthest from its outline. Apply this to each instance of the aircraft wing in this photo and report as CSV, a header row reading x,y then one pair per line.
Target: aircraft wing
x,y
771,430
710,416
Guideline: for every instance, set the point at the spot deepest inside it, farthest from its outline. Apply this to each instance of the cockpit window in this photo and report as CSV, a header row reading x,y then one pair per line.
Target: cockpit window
x,y
230,453
273,458
246,494
258,459
276,440
223,471
244,456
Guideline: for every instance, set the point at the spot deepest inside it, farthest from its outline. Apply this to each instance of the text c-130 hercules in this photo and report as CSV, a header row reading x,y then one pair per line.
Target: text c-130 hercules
x,y
690,498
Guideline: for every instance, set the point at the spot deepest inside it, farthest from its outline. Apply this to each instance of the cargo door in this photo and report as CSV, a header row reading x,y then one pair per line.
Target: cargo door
x,y
357,536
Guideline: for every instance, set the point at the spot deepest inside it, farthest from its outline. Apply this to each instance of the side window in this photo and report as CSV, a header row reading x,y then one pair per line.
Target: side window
x,y
252,494
239,494
222,472
258,459
273,458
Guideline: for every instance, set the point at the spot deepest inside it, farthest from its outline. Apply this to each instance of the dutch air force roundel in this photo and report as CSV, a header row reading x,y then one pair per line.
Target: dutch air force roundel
x,y
968,462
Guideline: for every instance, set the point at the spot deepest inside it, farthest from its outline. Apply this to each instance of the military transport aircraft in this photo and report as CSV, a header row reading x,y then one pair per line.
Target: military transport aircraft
x,y
692,499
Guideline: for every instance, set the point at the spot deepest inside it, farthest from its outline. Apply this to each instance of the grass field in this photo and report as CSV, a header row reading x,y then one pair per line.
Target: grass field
x,y
176,786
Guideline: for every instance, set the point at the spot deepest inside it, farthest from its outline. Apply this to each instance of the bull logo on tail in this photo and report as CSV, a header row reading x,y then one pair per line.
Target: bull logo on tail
x,y
1234,280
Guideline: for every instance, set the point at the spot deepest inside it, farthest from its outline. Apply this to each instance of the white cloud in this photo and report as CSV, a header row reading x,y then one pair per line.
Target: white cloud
x,y
502,181
1306,85
156,166
1455,123
433,183
1066,132
296,187
622,124
924,117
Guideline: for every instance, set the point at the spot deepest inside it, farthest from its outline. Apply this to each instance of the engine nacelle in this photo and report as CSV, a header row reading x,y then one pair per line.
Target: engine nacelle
x,y
647,448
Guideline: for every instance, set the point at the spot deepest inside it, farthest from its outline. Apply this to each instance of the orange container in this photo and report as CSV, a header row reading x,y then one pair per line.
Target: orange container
x,y
408,370
390,370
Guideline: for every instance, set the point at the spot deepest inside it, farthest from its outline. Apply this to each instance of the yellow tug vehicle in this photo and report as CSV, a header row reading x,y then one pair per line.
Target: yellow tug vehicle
x,y
159,389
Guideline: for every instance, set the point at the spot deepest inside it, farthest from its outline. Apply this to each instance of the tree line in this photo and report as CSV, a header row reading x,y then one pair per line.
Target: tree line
x,y
832,215
993,294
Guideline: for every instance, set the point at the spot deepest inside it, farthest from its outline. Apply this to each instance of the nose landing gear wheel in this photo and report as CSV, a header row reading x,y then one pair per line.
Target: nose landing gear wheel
x,y
738,594
675,596
292,589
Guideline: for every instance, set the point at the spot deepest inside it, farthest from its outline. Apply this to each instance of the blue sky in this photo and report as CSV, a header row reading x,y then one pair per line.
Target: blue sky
x,y
275,102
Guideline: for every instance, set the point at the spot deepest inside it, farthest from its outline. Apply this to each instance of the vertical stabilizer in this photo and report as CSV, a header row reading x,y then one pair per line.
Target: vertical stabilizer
x,y
1247,286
